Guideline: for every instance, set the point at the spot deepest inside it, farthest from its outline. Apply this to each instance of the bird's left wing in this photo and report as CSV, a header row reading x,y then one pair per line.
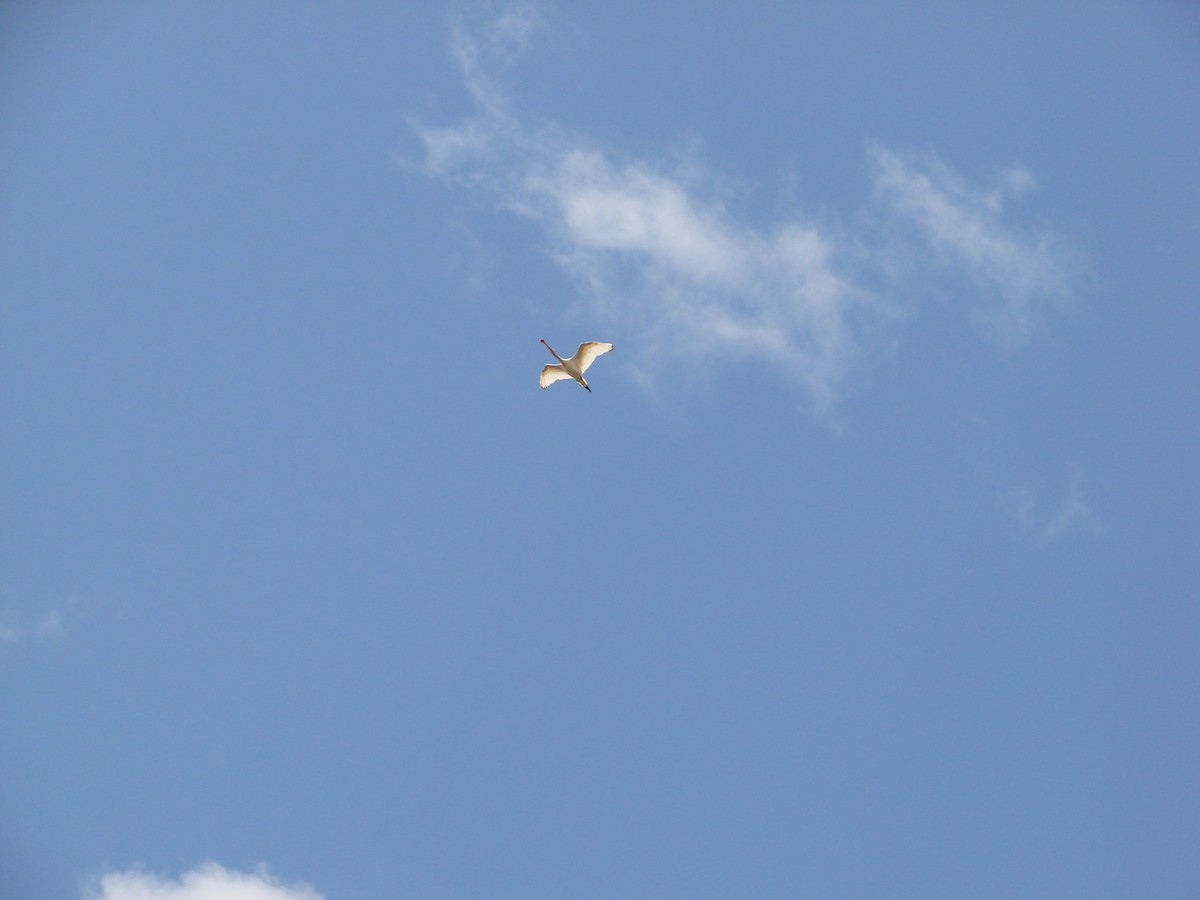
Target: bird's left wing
x,y
587,352
552,372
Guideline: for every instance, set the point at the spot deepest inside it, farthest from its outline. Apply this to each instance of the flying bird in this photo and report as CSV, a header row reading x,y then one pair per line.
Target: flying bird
x,y
573,367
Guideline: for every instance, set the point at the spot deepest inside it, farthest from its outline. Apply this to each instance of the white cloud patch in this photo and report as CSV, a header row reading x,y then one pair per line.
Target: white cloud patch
x,y
656,253
1048,522
210,881
963,226
49,626
512,32
655,249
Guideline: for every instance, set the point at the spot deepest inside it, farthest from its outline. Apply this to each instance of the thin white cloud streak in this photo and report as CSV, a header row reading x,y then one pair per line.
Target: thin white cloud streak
x,y
49,627
210,881
513,30
1072,515
963,226
657,251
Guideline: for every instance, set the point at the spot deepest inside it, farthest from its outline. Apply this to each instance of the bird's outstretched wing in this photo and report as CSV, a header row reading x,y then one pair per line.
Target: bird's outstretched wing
x,y
587,352
552,372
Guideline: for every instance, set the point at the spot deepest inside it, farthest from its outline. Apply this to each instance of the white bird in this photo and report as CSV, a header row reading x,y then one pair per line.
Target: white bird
x,y
573,367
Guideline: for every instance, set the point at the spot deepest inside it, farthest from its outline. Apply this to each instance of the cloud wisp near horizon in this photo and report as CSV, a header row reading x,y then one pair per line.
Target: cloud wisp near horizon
x,y
210,881
652,246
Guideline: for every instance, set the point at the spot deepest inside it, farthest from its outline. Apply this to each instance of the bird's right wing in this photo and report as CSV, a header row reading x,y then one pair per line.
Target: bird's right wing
x,y
551,373
587,352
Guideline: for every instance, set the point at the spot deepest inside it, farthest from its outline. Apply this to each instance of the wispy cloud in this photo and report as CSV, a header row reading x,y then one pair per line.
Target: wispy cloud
x,y
210,881
1048,522
654,247
656,251
49,626
513,30
964,226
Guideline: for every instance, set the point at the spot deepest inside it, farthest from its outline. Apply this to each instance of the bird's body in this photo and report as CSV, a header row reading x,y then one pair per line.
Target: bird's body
x,y
573,367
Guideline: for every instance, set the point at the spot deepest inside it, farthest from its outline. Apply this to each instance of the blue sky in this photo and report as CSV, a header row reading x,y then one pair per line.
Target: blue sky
x,y
868,568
